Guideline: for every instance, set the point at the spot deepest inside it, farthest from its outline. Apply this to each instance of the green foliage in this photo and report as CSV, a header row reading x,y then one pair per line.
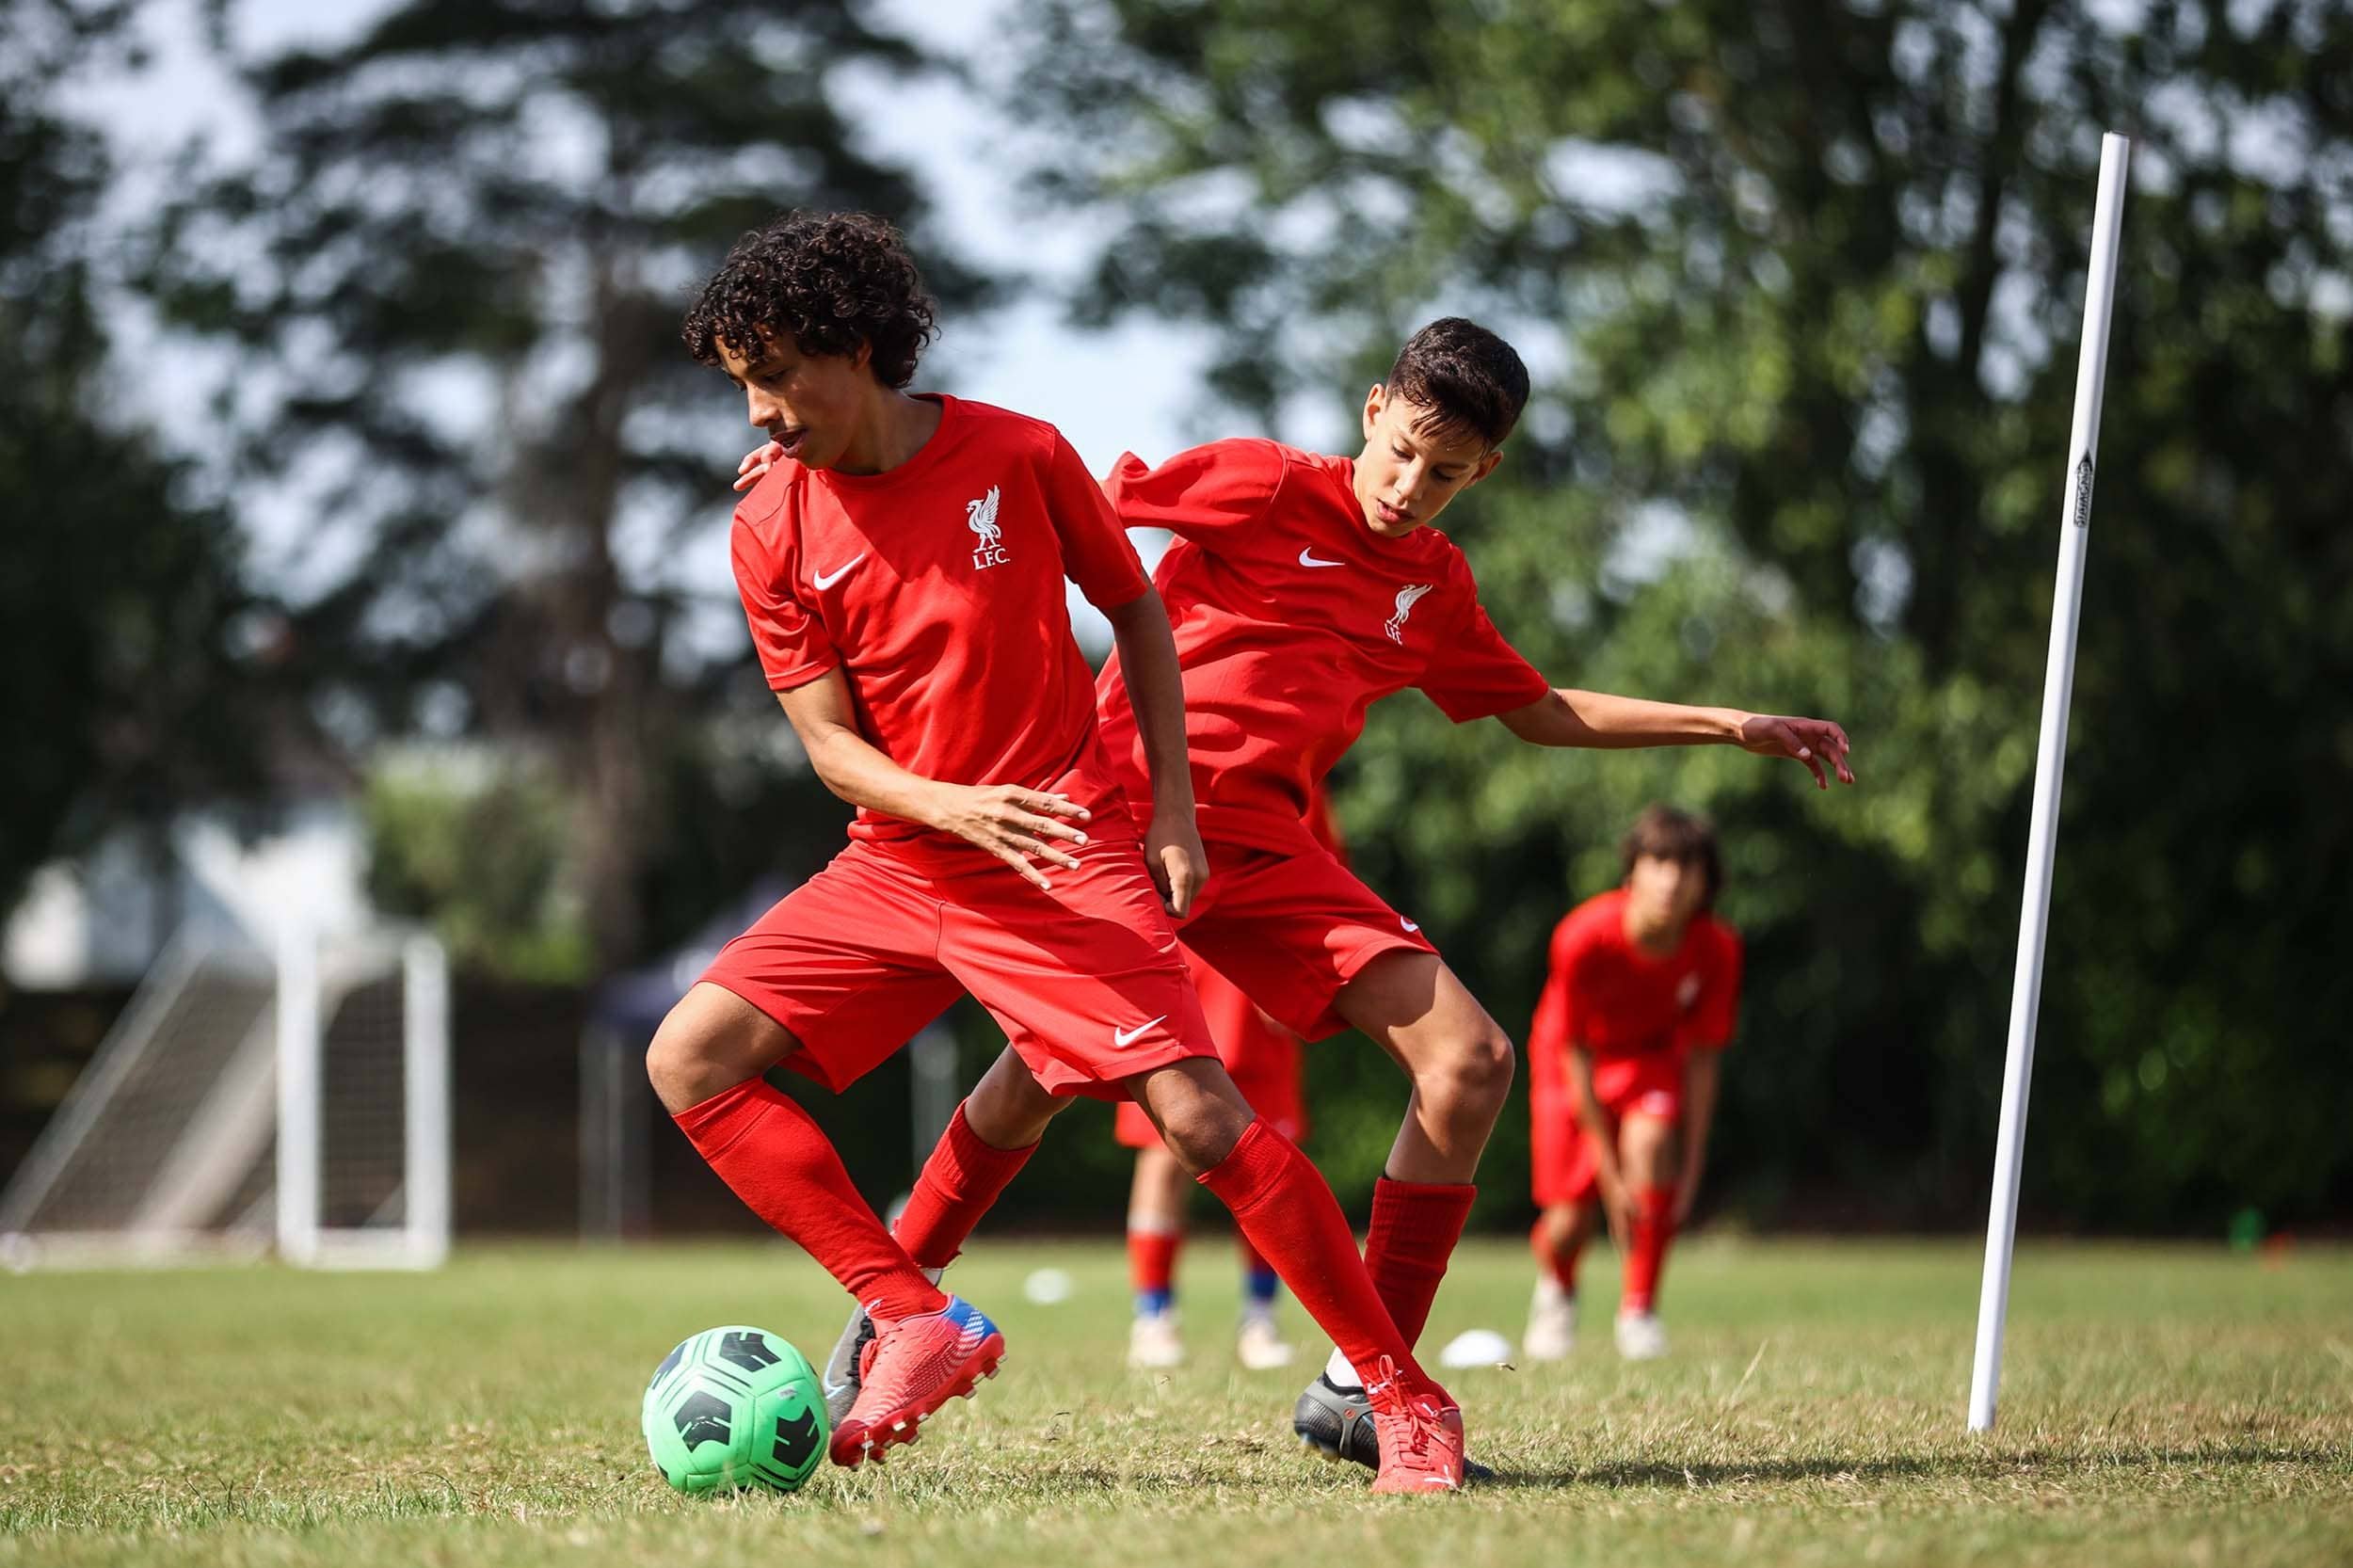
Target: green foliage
x,y
1800,281
479,851
121,602
451,277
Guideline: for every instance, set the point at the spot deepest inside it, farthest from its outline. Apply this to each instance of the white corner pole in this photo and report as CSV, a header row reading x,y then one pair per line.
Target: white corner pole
x,y
2058,683
424,1057
298,1085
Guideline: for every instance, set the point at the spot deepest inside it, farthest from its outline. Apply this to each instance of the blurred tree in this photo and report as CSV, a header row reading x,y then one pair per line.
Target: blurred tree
x,y
454,272
1800,281
119,599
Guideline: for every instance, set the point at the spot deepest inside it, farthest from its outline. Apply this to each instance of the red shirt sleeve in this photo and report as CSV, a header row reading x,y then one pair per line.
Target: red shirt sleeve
x,y
1711,1022
792,645
1200,492
1475,674
1096,553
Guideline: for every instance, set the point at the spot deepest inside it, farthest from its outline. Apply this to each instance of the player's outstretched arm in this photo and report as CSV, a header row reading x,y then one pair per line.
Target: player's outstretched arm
x,y
1148,662
1597,719
1015,824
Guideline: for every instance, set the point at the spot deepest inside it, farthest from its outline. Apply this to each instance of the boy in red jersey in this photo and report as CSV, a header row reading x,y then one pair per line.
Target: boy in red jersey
x,y
1303,588
902,568
1263,1056
1624,1056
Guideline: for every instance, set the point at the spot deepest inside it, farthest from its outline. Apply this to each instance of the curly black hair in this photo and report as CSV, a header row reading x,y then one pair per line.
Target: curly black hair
x,y
1471,381
827,280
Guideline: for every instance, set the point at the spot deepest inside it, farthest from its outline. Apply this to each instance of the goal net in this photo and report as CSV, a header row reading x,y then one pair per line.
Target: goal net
x,y
246,1101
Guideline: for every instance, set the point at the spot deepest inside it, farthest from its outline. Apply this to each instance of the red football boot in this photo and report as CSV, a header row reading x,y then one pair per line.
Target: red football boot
x,y
911,1368
1420,1432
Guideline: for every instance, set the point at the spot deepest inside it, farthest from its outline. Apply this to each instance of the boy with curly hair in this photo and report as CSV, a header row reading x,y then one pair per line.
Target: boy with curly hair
x,y
901,566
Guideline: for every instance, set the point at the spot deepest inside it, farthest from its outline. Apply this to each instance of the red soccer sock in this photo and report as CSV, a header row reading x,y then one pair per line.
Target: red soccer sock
x,y
959,1184
1284,1206
1559,1262
1415,1227
1152,1265
1646,1249
770,1152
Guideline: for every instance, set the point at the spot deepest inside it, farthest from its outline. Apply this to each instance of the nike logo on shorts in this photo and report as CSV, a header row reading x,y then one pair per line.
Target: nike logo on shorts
x,y
827,579
1121,1037
1307,558
1407,924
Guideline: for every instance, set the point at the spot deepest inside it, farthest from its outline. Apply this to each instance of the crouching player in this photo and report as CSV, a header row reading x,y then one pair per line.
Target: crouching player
x,y
901,568
1640,1001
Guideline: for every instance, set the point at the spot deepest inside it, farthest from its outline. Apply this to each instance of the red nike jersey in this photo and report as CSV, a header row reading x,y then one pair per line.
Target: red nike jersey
x,y
937,589
1291,618
1616,1001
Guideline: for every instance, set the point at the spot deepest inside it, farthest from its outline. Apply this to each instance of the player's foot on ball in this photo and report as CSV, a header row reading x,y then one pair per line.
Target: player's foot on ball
x,y
1419,1432
1640,1337
1153,1343
841,1368
1551,1323
1335,1421
1261,1346
911,1368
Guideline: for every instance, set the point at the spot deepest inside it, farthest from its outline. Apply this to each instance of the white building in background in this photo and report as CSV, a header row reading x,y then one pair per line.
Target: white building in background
x,y
102,919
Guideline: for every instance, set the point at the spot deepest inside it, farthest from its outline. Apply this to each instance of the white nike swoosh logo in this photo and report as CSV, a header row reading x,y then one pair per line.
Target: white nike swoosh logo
x,y
1307,558
1407,924
827,579
1121,1036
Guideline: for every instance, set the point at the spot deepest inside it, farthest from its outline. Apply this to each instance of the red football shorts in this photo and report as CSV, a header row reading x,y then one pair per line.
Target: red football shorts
x,y
1086,980
1260,1054
1291,929
1650,1084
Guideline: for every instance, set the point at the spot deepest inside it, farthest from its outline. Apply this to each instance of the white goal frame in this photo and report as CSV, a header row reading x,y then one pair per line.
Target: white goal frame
x,y
197,1200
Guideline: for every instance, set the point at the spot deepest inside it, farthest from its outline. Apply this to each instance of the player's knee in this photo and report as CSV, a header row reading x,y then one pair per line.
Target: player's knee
x,y
1199,1126
701,1050
1476,1073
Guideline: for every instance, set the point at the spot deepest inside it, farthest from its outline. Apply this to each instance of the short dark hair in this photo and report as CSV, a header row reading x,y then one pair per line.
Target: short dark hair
x,y
1667,834
1471,381
827,280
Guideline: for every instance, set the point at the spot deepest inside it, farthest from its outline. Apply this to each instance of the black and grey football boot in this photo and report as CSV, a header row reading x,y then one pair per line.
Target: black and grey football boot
x,y
1336,1423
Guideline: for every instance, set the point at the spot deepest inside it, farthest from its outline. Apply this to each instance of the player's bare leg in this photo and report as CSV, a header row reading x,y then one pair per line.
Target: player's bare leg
x,y
1557,1239
1156,1228
1649,1156
1459,1059
706,1062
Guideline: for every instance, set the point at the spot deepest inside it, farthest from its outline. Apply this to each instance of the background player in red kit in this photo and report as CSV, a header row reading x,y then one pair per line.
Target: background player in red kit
x,y
1302,589
902,568
1263,1056
1640,1000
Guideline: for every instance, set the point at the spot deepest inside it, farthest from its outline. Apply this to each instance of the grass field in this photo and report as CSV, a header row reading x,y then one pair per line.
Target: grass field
x,y
2161,1405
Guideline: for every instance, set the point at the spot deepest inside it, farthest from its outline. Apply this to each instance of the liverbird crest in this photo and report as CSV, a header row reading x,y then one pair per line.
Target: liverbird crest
x,y
1406,600
981,517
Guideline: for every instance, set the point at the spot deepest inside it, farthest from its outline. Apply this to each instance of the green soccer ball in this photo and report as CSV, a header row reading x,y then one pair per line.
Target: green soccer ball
x,y
733,1408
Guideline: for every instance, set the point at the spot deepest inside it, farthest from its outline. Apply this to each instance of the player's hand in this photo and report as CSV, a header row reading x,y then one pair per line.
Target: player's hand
x,y
755,464
1813,741
1178,864
1617,1210
1015,824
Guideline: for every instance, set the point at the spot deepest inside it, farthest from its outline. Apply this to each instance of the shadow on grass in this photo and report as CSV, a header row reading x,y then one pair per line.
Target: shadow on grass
x,y
1664,1473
